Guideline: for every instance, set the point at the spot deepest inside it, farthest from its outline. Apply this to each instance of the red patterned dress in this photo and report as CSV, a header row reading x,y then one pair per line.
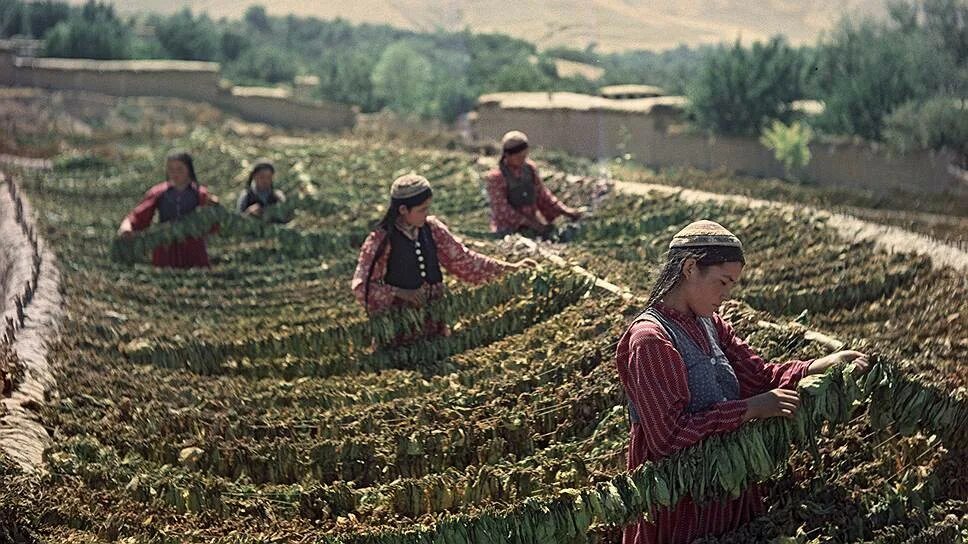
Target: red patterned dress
x,y
655,380
171,205
453,255
505,218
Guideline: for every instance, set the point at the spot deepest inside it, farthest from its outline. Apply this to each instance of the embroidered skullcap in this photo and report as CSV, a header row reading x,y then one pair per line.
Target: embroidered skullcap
x,y
705,233
408,186
514,141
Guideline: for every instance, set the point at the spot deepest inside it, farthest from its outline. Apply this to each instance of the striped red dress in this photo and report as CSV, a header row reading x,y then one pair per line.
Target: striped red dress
x,y
655,380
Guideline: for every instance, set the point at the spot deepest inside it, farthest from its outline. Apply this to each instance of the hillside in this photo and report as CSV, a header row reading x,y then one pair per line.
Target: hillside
x,y
611,24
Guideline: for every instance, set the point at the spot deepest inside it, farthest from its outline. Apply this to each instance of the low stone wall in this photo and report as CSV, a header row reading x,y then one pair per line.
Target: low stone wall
x,y
597,129
178,79
286,111
197,81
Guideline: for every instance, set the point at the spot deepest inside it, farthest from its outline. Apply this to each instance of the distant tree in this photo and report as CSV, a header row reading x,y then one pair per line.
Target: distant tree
x,y
232,44
12,16
947,22
520,75
866,70
266,63
257,18
95,32
403,79
739,90
790,145
345,76
43,16
187,37
937,123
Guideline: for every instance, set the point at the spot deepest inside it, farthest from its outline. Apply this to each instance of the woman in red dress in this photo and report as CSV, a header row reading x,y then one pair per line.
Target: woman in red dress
x,y
687,376
400,262
519,200
175,198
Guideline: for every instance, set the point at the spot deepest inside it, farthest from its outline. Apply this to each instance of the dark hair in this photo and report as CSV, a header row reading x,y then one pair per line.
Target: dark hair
x,y
393,211
185,158
389,218
514,149
260,167
671,273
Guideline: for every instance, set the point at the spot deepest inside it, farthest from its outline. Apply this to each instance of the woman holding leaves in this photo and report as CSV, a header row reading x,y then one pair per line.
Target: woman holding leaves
x,y
260,194
174,199
687,376
519,200
400,262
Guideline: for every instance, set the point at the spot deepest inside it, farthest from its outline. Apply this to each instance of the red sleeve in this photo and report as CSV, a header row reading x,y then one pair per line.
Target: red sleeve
x,y
460,261
756,375
503,215
142,214
381,294
203,200
654,377
549,206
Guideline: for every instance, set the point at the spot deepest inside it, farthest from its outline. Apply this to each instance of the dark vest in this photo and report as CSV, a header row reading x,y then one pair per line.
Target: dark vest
x,y
711,378
252,197
412,262
521,189
174,204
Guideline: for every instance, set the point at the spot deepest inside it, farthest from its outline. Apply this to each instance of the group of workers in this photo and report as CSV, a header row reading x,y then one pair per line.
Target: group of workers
x,y
685,372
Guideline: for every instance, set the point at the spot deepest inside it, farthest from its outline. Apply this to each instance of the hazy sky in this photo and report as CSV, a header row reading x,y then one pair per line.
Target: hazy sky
x,y
612,24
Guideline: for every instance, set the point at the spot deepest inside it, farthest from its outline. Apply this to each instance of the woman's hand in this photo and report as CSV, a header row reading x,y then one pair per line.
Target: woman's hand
x,y
413,297
254,210
821,365
574,214
522,264
126,231
775,403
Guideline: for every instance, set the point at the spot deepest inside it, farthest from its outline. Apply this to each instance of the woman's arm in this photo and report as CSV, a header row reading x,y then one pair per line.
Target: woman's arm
x,y
140,217
460,261
546,202
756,375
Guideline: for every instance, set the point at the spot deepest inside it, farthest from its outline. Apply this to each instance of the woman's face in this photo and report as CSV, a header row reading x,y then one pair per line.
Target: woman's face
x,y
263,179
706,288
517,160
177,173
417,215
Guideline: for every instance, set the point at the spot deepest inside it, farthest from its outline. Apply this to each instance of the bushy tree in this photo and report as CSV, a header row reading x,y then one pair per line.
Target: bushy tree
x,y
790,145
232,44
95,32
43,16
266,63
257,18
937,123
187,37
403,80
345,76
739,90
12,15
867,70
